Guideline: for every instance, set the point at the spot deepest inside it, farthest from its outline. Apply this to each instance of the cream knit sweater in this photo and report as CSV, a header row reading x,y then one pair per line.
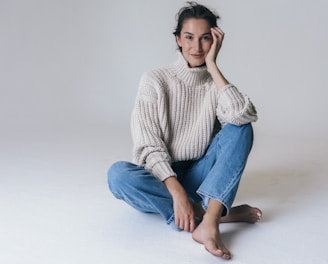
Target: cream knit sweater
x,y
174,115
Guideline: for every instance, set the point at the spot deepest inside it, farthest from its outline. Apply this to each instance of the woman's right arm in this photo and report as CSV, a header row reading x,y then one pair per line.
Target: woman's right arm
x,y
148,131
149,128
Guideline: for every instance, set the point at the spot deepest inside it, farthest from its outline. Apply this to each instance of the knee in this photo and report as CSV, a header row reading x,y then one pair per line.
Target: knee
x,y
247,132
246,136
239,136
244,132
116,173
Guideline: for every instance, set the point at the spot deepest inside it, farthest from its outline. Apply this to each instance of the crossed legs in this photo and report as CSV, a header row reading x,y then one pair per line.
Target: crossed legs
x,y
217,175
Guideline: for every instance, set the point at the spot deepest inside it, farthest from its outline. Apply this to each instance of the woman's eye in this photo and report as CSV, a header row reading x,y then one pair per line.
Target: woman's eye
x,y
206,38
189,37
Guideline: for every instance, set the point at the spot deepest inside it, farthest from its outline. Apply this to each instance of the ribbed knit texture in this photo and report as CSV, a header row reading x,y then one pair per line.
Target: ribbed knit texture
x,y
174,115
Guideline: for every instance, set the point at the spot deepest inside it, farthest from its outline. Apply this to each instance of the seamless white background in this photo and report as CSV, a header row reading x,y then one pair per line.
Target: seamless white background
x,y
69,72
67,63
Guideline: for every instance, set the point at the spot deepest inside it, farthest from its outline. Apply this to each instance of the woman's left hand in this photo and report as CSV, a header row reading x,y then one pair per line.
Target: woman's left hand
x,y
217,35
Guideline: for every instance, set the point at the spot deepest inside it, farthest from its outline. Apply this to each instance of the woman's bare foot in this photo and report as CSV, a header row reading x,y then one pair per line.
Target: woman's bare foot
x,y
207,233
242,213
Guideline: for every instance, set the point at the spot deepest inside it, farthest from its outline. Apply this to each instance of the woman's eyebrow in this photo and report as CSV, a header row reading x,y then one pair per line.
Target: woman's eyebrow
x,y
188,33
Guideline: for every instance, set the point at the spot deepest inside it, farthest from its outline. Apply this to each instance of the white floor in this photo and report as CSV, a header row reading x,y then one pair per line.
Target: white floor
x,y
56,208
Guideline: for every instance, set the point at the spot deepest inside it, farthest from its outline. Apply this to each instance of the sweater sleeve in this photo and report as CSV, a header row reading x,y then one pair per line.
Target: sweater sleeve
x,y
147,125
234,107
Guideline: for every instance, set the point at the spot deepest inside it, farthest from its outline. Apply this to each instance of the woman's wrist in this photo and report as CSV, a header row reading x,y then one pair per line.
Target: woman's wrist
x,y
212,67
174,187
218,78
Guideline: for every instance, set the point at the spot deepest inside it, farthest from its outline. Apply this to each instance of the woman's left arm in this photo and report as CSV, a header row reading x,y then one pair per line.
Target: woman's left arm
x,y
233,106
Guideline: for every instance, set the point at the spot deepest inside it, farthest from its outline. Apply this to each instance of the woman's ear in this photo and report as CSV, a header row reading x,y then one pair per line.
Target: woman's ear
x,y
178,40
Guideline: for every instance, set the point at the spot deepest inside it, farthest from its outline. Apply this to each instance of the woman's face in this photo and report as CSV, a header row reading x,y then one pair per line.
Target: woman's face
x,y
195,40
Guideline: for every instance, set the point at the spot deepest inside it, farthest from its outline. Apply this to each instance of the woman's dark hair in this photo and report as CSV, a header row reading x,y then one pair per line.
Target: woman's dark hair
x,y
194,10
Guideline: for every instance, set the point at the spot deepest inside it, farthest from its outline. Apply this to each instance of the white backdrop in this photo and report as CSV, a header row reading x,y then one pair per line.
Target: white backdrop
x,y
69,71
68,64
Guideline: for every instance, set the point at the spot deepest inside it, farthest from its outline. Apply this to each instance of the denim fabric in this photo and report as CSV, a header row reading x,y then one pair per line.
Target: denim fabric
x,y
216,176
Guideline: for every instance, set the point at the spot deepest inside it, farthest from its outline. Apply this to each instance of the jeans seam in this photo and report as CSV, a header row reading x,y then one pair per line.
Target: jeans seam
x,y
233,181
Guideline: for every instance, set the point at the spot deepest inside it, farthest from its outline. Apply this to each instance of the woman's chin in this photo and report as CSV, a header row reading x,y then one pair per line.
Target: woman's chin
x,y
196,63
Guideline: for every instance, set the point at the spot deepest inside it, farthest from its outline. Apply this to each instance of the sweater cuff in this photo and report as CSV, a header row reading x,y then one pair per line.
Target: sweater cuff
x,y
163,170
229,90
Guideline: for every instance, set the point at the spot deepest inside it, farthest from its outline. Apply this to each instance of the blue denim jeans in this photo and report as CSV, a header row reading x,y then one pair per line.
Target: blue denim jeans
x,y
215,175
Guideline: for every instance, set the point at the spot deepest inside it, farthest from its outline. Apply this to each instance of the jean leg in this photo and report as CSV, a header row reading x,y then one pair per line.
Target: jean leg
x,y
223,164
140,189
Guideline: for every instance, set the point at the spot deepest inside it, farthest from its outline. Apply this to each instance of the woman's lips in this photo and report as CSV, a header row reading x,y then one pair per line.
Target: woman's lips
x,y
197,55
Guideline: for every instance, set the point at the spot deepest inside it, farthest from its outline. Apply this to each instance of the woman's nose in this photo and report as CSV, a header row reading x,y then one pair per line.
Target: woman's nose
x,y
198,45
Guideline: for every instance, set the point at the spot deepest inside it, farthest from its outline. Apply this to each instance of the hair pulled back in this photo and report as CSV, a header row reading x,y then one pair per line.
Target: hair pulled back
x,y
194,10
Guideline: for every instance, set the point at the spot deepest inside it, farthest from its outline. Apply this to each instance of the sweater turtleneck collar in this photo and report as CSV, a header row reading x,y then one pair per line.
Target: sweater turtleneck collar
x,y
191,76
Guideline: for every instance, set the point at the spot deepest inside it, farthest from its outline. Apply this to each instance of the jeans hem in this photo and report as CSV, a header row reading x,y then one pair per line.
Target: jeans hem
x,y
206,197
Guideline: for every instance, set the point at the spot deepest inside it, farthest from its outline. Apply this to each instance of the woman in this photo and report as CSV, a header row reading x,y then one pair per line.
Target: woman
x,y
192,135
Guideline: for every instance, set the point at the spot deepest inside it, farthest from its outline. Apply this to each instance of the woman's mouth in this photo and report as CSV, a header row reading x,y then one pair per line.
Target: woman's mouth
x,y
197,56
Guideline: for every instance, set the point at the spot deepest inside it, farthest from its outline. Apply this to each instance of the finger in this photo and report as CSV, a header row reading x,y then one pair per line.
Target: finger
x,y
218,33
186,225
182,224
178,222
219,30
214,36
192,225
218,36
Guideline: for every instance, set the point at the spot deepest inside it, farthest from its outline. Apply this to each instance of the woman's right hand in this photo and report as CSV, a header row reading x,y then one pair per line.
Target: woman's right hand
x,y
183,211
